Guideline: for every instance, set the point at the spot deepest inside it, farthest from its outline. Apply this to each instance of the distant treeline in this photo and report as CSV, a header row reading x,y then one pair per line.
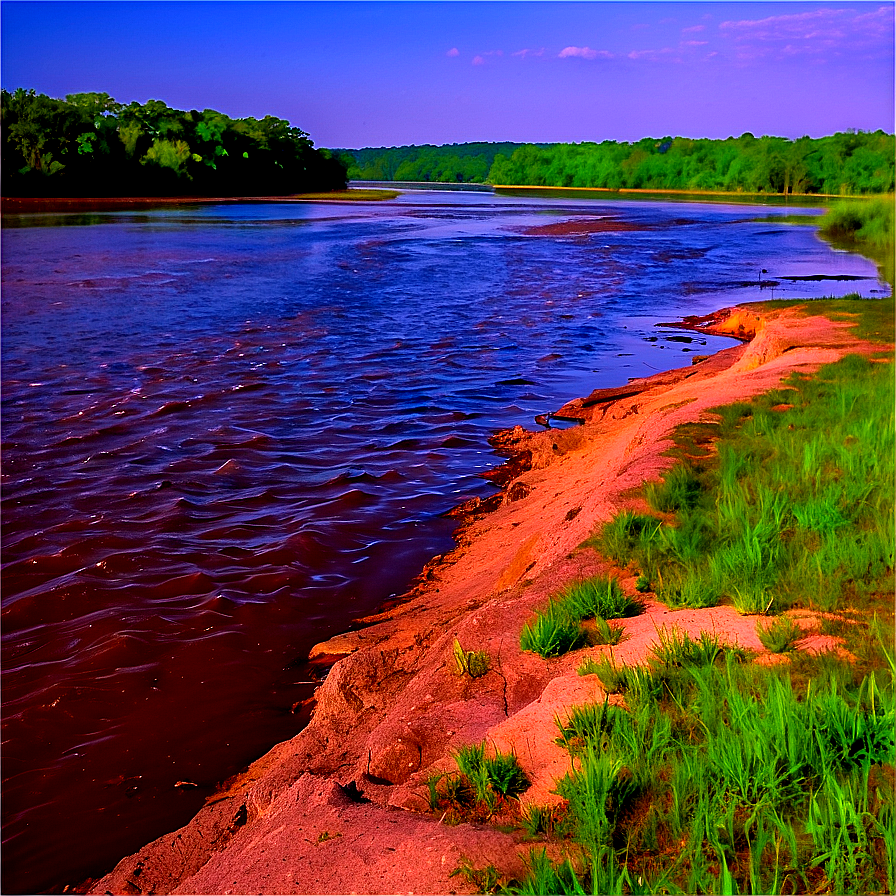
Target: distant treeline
x,y
468,163
90,145
844,163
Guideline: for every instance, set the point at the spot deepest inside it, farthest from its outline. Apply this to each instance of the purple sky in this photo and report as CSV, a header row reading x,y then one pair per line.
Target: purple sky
x,y
374,74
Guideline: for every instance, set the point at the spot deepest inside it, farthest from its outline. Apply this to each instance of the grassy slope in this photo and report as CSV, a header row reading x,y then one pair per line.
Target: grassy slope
x,y
724,776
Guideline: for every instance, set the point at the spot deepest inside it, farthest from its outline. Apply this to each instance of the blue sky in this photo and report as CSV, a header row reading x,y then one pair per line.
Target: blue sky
x,y
373,74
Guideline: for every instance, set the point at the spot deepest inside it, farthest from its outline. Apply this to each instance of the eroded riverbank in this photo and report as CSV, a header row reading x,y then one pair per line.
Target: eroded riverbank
x,y
392,708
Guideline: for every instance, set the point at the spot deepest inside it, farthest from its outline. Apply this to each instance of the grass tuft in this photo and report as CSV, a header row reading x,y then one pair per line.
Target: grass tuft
x,y
584,724
557,629
605,633
676,648
599,597
552,633
780,635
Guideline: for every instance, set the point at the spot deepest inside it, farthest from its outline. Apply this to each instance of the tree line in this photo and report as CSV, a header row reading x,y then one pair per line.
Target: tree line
x,y
90,145
848,163
452,163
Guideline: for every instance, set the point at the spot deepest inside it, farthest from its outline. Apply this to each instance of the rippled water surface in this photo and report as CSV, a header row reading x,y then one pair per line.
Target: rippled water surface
x,y
229,430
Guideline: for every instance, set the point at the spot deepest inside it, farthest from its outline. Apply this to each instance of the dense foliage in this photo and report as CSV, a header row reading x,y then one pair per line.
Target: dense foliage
x,y
90,145
843,163
455,163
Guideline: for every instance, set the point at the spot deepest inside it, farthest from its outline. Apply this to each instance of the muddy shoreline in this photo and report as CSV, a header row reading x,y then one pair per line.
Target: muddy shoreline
x,y
29,205
342,806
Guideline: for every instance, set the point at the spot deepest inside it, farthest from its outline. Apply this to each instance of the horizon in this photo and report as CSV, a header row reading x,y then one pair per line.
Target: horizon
x,y
385,74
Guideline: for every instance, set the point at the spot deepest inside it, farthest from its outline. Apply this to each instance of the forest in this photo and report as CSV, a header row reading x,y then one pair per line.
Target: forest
x,y
90,145
848,163
453,163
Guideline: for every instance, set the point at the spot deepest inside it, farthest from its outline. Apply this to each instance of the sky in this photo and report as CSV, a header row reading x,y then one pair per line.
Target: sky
x,y
382,74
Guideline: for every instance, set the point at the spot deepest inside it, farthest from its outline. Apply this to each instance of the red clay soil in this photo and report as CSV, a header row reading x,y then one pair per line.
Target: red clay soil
x,y
393,707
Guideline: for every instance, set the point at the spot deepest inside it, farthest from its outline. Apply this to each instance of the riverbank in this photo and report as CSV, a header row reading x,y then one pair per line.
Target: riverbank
x,y
22,205
322,813
644,191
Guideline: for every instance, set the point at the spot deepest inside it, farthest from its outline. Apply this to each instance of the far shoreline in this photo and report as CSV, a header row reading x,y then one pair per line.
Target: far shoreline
x,y
37,204
14,205
698,193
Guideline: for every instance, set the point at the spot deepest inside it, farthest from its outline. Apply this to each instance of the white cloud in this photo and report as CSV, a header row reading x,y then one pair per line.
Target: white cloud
x,y
584,53
482,58
453,52
813,31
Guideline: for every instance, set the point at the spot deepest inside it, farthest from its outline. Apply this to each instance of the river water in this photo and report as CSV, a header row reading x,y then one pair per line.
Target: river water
x,y
231,429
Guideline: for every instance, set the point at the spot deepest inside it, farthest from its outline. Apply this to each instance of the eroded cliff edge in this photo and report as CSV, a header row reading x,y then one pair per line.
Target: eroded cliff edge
x,y
342,807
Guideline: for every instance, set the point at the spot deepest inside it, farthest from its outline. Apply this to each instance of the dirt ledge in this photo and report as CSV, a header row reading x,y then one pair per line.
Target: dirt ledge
x,y
340,808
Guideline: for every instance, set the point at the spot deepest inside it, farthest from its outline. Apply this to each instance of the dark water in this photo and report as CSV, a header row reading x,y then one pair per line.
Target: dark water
x,y
230,430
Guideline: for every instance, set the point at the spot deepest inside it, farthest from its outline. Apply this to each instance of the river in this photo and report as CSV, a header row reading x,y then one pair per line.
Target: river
x,y
231,429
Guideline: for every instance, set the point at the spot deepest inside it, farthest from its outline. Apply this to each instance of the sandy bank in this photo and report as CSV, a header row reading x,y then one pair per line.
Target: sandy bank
x,y
341,807
35,205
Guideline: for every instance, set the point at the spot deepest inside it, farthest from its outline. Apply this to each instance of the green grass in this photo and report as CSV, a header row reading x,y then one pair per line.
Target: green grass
x,y
866,226
551,633
605,633
557,629
485,783
737,780
586,723
612,677
676,648
794,509
723,776
780,635
599,597
864,221
679,489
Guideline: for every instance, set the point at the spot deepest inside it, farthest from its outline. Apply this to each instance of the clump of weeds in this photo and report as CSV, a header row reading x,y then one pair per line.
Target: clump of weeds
x,y
558,628
552,633
780,635
474,663
487,783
